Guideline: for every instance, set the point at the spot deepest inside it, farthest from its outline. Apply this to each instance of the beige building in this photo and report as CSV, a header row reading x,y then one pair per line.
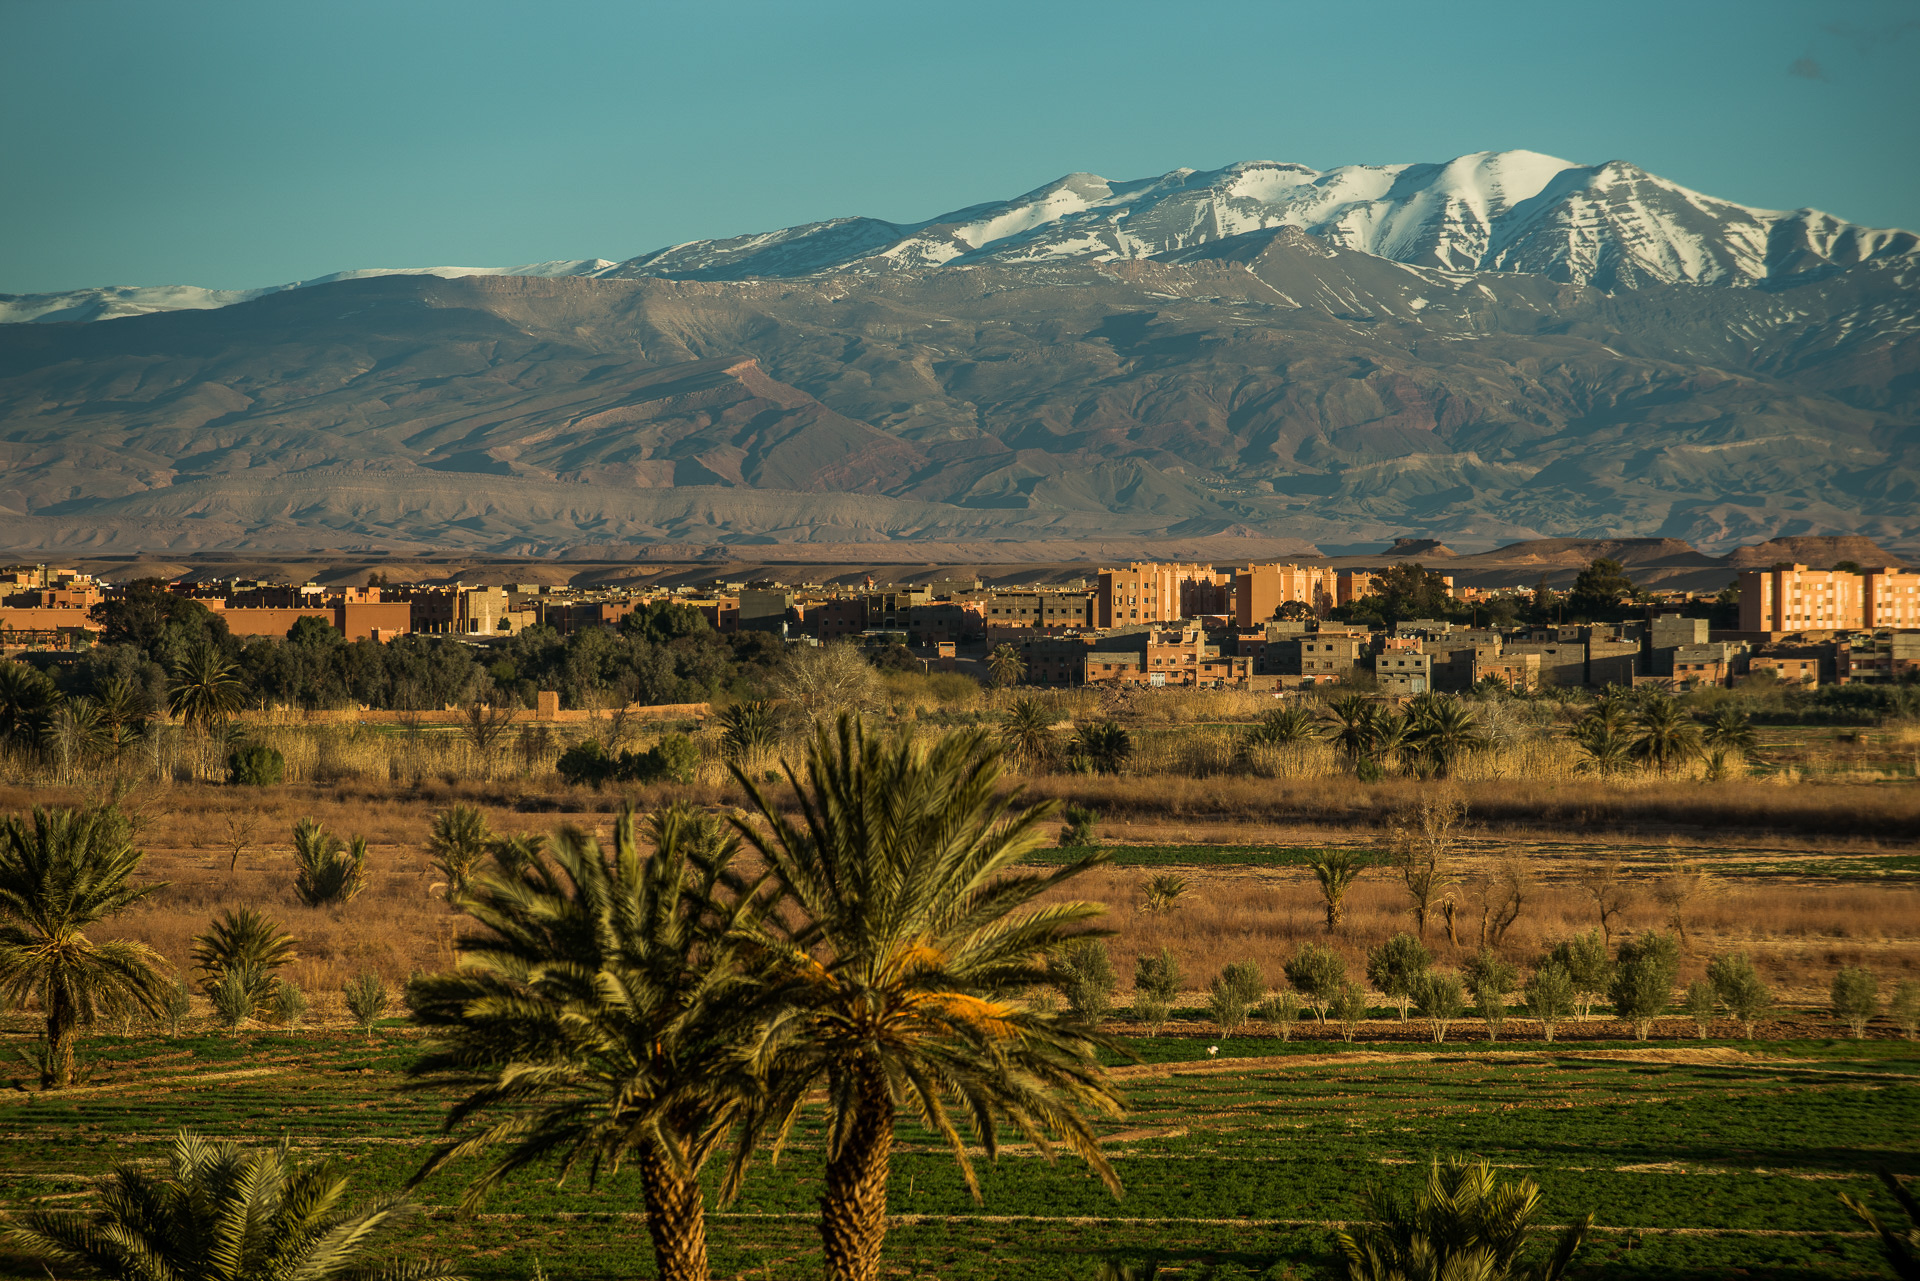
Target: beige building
x,y
1798,599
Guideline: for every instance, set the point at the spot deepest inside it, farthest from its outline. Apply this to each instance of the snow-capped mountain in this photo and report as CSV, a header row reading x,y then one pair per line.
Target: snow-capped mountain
x,y
113,301
1613,225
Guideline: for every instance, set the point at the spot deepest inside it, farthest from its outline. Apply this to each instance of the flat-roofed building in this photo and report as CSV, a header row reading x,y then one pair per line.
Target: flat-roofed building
x,y
1147,592
1890,598
1798,599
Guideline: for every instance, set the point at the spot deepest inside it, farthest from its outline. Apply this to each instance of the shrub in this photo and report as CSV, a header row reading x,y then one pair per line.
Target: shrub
x,y
585,763
1152,1010
289,1004
1490,1002
1584,958
1078,831
1550,996
367,999
673,759
1233,994
1439,999
1395,966
1083,971
1740,989
1157,975
1905,1007
233,996
255,765
327,873
1856,999
1282,1011
246,940
456,843
1317,974
1700,1002
1349,1010
1642,985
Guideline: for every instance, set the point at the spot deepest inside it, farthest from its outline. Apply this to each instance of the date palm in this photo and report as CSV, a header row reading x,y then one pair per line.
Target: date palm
x,y
906,922
60,872
602,1011
206,688
1466,1222
1282,727
1729,729
247,942
1666,736
456,842
27,700
222,1213
1446,731
1027,730
1005,666
748,728
1336,870
1349,724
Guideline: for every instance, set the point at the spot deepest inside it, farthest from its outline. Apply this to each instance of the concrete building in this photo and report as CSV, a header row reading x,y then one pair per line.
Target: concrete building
x,y
1890,598
1402,672
1799,599
1260,591
1159,592
1009,614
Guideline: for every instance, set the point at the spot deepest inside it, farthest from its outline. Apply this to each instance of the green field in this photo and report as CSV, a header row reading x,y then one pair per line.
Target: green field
x,y
1701,1159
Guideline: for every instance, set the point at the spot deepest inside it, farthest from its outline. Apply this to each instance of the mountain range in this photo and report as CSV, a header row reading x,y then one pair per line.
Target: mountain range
x,y
1502,346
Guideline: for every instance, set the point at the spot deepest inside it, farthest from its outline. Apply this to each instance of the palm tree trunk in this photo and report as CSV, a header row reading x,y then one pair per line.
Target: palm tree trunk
x,y
60,1038
853,1213
676,1218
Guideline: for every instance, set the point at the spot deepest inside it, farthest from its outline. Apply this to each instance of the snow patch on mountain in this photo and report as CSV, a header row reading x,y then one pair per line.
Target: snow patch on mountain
x,y
114,301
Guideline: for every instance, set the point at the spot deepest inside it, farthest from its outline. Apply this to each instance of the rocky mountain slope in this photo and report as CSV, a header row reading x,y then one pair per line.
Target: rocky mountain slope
x,y
1508,351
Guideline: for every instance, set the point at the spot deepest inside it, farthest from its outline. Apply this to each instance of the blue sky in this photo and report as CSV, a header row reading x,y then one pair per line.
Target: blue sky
x,y
237,144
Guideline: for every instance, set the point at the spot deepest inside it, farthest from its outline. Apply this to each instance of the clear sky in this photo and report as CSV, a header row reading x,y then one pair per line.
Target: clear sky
x,y
237,144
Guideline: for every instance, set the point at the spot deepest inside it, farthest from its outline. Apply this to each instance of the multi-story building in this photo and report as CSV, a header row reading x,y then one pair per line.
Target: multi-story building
x,y
1797,599
1008,615
836,616
1702,664
1158,592
1889,598
1403,672
1260,591
1330,656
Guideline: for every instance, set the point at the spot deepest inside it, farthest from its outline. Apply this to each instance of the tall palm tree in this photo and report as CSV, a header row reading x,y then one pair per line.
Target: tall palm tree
x,y
603,1011
907,926
1349,724
1027,730
206,688
61,872
1005,666
221,1213
1666,736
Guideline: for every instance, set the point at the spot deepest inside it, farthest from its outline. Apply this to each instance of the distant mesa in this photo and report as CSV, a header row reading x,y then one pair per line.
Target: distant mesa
x,y
1431,548
1819,551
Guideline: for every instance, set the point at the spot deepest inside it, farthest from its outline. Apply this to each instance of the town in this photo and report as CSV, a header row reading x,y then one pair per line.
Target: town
x,y
1278,628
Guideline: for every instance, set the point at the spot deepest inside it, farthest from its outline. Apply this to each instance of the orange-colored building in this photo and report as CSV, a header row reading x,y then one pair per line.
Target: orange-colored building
x,y
1798,599
1890,598
361,620
1158,592
1259,591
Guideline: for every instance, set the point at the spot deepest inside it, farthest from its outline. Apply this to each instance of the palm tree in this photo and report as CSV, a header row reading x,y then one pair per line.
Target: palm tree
x,y
747,728
327,873
1466,1223
456,843
1666,736
1336,870
1005,666
249,942
604,1011
1282,727
1729,729
206,689
1448,731
1103,745
64,871
1389,735
1349,724
1027,731
27,699
221,1213
122,705
907,925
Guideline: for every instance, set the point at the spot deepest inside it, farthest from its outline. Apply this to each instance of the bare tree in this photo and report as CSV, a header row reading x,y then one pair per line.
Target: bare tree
x,y
1683,886
1608,889
240,829
1423,840
484,724
1501,891
827,679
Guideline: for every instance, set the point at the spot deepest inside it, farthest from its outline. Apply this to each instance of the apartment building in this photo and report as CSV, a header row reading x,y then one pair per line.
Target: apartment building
x,y
1403,672
1008,615
1799,599
1890,598
1159,592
